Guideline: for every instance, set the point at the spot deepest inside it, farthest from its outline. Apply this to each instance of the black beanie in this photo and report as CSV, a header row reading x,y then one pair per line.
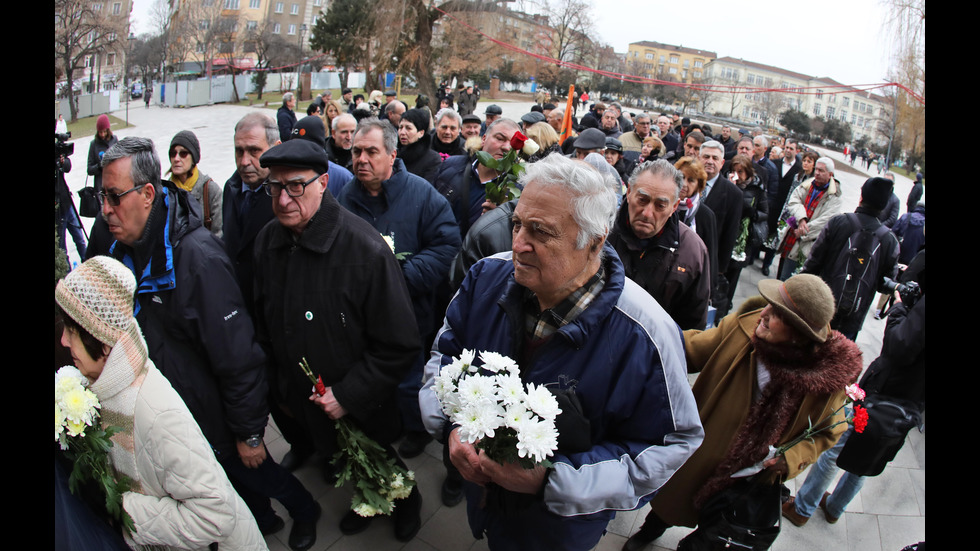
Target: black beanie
x,y
875,193
188,140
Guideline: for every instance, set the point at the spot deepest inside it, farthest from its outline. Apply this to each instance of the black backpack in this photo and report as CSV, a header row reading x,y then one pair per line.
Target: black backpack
x,y
855,274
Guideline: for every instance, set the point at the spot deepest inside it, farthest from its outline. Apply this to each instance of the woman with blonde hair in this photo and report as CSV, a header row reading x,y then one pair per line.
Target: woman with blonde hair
x,y
652,149
545,136
331,110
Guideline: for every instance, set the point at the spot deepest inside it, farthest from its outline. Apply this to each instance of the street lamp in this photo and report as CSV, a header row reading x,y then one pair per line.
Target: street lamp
x,y
129,51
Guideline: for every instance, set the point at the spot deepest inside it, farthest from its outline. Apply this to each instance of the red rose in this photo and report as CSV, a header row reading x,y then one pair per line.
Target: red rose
x,y
860,419
517,141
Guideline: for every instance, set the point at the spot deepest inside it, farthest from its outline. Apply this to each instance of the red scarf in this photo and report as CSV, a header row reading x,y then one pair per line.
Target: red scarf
x,y
809,204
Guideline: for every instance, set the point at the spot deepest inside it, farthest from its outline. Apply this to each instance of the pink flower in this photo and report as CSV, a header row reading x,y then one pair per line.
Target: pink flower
x,y
854,392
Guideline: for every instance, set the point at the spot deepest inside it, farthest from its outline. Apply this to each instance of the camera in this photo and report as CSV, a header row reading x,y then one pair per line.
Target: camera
x,y
909,291
61,145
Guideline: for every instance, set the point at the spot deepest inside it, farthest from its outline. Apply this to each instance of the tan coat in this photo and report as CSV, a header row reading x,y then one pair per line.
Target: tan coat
x,y
723,390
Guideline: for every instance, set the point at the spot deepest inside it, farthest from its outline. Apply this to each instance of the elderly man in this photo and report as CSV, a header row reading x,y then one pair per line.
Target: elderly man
x,y
663,256
591,140
421,225
340,141
561,306
445,137
812,204
492,113
726,140
286,116
609,123
670,137
393,112
471,126
329,290
633,140
462,179
692,144
198,329
725,200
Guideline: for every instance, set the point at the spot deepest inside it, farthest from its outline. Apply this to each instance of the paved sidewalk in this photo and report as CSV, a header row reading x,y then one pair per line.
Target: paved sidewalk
x,y
887,515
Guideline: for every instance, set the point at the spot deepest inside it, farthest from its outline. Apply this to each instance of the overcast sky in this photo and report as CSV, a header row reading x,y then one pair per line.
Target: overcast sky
x,y
840,39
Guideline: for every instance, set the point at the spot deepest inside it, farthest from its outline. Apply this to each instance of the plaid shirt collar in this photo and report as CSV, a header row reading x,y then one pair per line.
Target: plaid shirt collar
x,y
540,324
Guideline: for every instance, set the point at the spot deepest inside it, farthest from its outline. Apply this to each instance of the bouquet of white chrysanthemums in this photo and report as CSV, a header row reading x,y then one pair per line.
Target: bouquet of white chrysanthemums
x,y
511,422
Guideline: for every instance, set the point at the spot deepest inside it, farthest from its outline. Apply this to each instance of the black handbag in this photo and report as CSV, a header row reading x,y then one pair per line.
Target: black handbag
x,y
88,201
889,422
745,516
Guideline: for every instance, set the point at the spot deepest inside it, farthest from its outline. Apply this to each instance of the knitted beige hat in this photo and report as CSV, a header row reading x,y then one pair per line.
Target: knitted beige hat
x,y
99,296
804,301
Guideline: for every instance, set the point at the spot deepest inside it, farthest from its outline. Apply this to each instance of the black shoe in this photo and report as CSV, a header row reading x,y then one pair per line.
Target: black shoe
x,y
303,534
452,492
353,523
408,516
413,444
649,531
765,271
294,460
273,527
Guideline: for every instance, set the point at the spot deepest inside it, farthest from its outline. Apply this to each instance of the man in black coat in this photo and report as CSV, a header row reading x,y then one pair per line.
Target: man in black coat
x,y
198,331
725,200
787,167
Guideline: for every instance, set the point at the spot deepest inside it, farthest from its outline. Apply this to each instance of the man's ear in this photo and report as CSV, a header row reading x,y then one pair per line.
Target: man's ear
x,y
149,193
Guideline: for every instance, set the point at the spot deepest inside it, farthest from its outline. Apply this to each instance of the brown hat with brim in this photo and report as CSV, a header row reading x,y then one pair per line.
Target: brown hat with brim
x,y
804,301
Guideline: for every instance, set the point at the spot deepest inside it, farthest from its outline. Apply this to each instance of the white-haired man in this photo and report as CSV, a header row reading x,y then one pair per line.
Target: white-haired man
x,y
560,305
811,205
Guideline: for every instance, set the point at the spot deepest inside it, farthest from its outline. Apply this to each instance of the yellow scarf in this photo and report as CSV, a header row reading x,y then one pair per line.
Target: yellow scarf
x,y
187,185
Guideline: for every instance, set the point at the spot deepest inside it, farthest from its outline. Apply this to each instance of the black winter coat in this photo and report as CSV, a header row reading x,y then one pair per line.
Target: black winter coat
x,y
336,296
198,332
420,159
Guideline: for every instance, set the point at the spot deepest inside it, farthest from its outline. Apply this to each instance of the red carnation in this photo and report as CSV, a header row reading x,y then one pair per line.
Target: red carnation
x,y
517,141
860,419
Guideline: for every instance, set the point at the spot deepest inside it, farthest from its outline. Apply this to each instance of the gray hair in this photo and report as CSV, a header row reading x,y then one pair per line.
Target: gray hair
x,y
660,168
389,135
393,105
777,150
343,116
644,116
712,144
617,106
827,162
505,122
145,168
593,202
262,120
765,140
448,112
286,97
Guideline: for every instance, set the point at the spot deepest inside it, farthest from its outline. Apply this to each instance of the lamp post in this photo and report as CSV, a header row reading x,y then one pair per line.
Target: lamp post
x,y
129,51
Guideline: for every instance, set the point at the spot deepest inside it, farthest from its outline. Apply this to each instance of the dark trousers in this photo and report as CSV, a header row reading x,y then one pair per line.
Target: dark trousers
x,y
268,480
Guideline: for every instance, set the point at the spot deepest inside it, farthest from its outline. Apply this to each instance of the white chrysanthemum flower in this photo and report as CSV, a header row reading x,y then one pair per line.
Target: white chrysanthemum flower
x,y
537,439
510,389
477,389
366,510
496,363
75,428
67,378
542,402
59,422
444,384
467,356
390,241
479,420
79,405
517,415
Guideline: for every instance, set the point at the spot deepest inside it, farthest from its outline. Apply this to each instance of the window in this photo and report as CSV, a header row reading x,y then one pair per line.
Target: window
x,y
816,109
292,28
111,37
684,74
649,56
294,10
276,28
687,63
832,98
819,94
317,2
231,4
278,7
661,59
204,25
830,112
672,70
847,101
750,79
698,64
251,25
697,74
254,4
97,7
853,118
674,59
110,58
116,8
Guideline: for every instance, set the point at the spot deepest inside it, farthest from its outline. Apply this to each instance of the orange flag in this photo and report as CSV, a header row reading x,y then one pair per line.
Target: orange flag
x,y
566,122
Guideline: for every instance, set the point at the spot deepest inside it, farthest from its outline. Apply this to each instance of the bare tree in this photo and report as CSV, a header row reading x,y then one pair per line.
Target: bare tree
x,y
906,24
80,33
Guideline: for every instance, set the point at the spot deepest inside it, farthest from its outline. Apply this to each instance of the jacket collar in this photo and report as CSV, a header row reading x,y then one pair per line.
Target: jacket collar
x,y
668,237
578,331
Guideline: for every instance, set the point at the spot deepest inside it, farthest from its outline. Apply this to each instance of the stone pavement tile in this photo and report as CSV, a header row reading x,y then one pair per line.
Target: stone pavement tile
x,y
447,529
480,545
610,542
890,493
919,486
862,532
899,531
917,441
627,522
815,534
418,545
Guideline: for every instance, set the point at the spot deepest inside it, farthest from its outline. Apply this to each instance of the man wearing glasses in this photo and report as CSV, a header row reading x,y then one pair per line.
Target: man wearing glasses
x,y
329,289
633,140
198,331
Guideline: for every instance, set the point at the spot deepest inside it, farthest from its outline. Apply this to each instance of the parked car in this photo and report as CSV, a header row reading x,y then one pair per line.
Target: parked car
x,y
137,90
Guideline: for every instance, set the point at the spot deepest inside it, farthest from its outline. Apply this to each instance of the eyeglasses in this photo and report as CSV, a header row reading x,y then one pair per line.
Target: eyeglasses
x,y
182,152
115,198
293,189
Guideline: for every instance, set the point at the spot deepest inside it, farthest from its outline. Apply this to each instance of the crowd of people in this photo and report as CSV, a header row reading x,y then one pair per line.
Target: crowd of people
x,y
360,239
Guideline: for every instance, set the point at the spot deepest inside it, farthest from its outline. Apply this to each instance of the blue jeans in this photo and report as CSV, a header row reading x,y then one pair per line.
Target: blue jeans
x,y
818,480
